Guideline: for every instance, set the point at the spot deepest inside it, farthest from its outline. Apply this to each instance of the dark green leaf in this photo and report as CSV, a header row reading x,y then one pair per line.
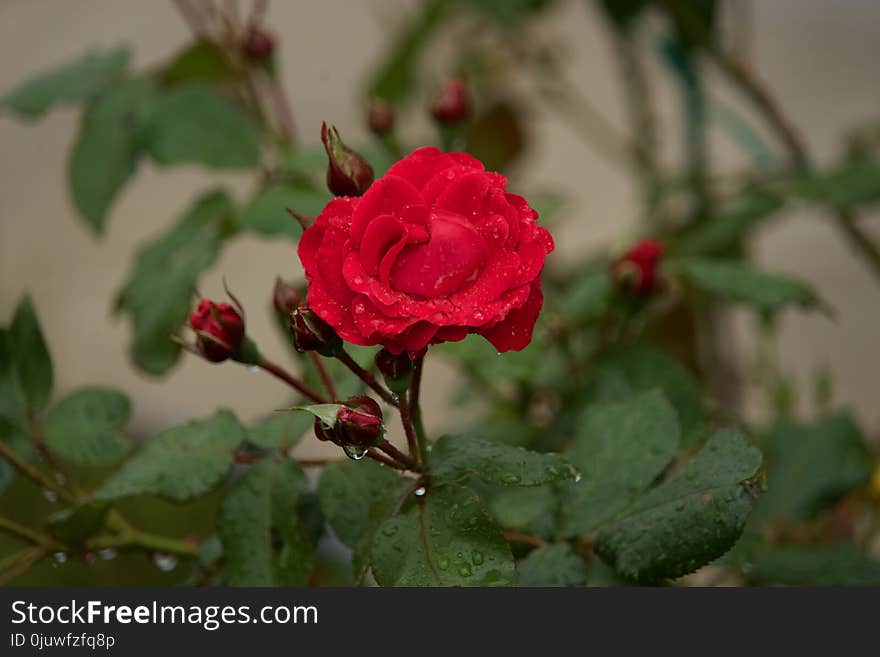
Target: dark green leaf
x,y
740,283
13,415
86,426
30,356
197,124
200,62
75,526
456,458
258,524
552,565
620,450
179,463
690,519
279,431
851,183
586,298
533,510
69,83
839,564
356,498
443,539
266,214
106,151
158,293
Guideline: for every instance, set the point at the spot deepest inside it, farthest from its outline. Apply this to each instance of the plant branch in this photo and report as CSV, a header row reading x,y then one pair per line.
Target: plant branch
x,y
27,533
368,378
397,455
325,376
21,562
37,476
279,372
527,539
415,410
386,460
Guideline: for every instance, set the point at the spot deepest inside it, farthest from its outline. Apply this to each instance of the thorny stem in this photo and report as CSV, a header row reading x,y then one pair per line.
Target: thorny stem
x,y
37,476
367,377
412,442
279,372
325,376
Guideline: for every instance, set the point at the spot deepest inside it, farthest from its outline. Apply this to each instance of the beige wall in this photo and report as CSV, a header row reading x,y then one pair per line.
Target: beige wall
x,y
819,56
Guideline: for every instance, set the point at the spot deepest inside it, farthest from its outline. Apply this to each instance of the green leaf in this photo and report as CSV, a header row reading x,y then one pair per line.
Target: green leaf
x,y
623,373
552,565
838,564
586,299
266,214
13,417
70,83
199,62
75,526
443,539
106,151
30,356
532,510
197,124
325,412
456,458
395,78
179,463
811,467
356,498
620,449
279,431
740,283
849,184
690,519
86,426
158,294
259,527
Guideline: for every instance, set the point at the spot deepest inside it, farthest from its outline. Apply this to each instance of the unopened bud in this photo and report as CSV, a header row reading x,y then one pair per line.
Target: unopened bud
x,y
286,297
360,422
348,173
311,333
258,45
396,369
451,103
219,330
637,271
380,118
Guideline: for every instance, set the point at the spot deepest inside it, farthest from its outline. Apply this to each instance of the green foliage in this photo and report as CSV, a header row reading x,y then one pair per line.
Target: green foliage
x,y
533,510
201,62
620,449
264,543
158,293
179,463
836,564
846,185
76,525
552,565
106,150
86,426
279,431
325,412
266,214
445,538
197,124
456,458
69,83
688,520
30,356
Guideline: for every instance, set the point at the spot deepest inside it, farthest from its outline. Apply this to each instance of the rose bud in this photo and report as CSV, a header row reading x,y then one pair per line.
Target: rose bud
x,y
380,118
636,271
360,422
451,103
326,434
286,297
348,173
396,369
219,330
258,45
311,333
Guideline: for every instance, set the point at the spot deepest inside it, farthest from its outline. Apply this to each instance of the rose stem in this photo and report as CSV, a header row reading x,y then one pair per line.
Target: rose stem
x,y
279,372
415,409
381,458
37,476
367,378
407,422
325,376
395,453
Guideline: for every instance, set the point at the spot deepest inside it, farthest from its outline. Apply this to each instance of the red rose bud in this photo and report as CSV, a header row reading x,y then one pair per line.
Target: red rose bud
x,y
286,297
348,173
325,434
219,330
396,369
311,333
380,118
451,103
637,270
258,45
360,422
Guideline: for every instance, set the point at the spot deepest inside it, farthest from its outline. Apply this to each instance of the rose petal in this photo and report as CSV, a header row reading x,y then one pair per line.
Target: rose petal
x,y
388,195
515,332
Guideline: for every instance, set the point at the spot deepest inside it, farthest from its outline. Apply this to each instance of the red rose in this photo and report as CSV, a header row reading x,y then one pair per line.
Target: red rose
x,y
219,330
433,251
636,271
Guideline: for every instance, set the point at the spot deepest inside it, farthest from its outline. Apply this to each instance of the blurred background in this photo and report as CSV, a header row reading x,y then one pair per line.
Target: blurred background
x,y
819,58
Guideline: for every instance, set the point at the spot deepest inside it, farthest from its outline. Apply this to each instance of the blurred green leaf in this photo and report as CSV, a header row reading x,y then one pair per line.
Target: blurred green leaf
x,y
688,520
552,565
158,293
179,463
738,282
279,431
106,151
507,12
258,524
197,124
75,526
30,356
531,510
69,83
325,412
199,62
266,214
86,426
851,183
838,564
444,539
620,449
456,458
587,297
356,498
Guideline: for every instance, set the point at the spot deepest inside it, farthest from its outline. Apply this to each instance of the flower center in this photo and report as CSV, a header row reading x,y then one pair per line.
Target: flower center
x,y
452,255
